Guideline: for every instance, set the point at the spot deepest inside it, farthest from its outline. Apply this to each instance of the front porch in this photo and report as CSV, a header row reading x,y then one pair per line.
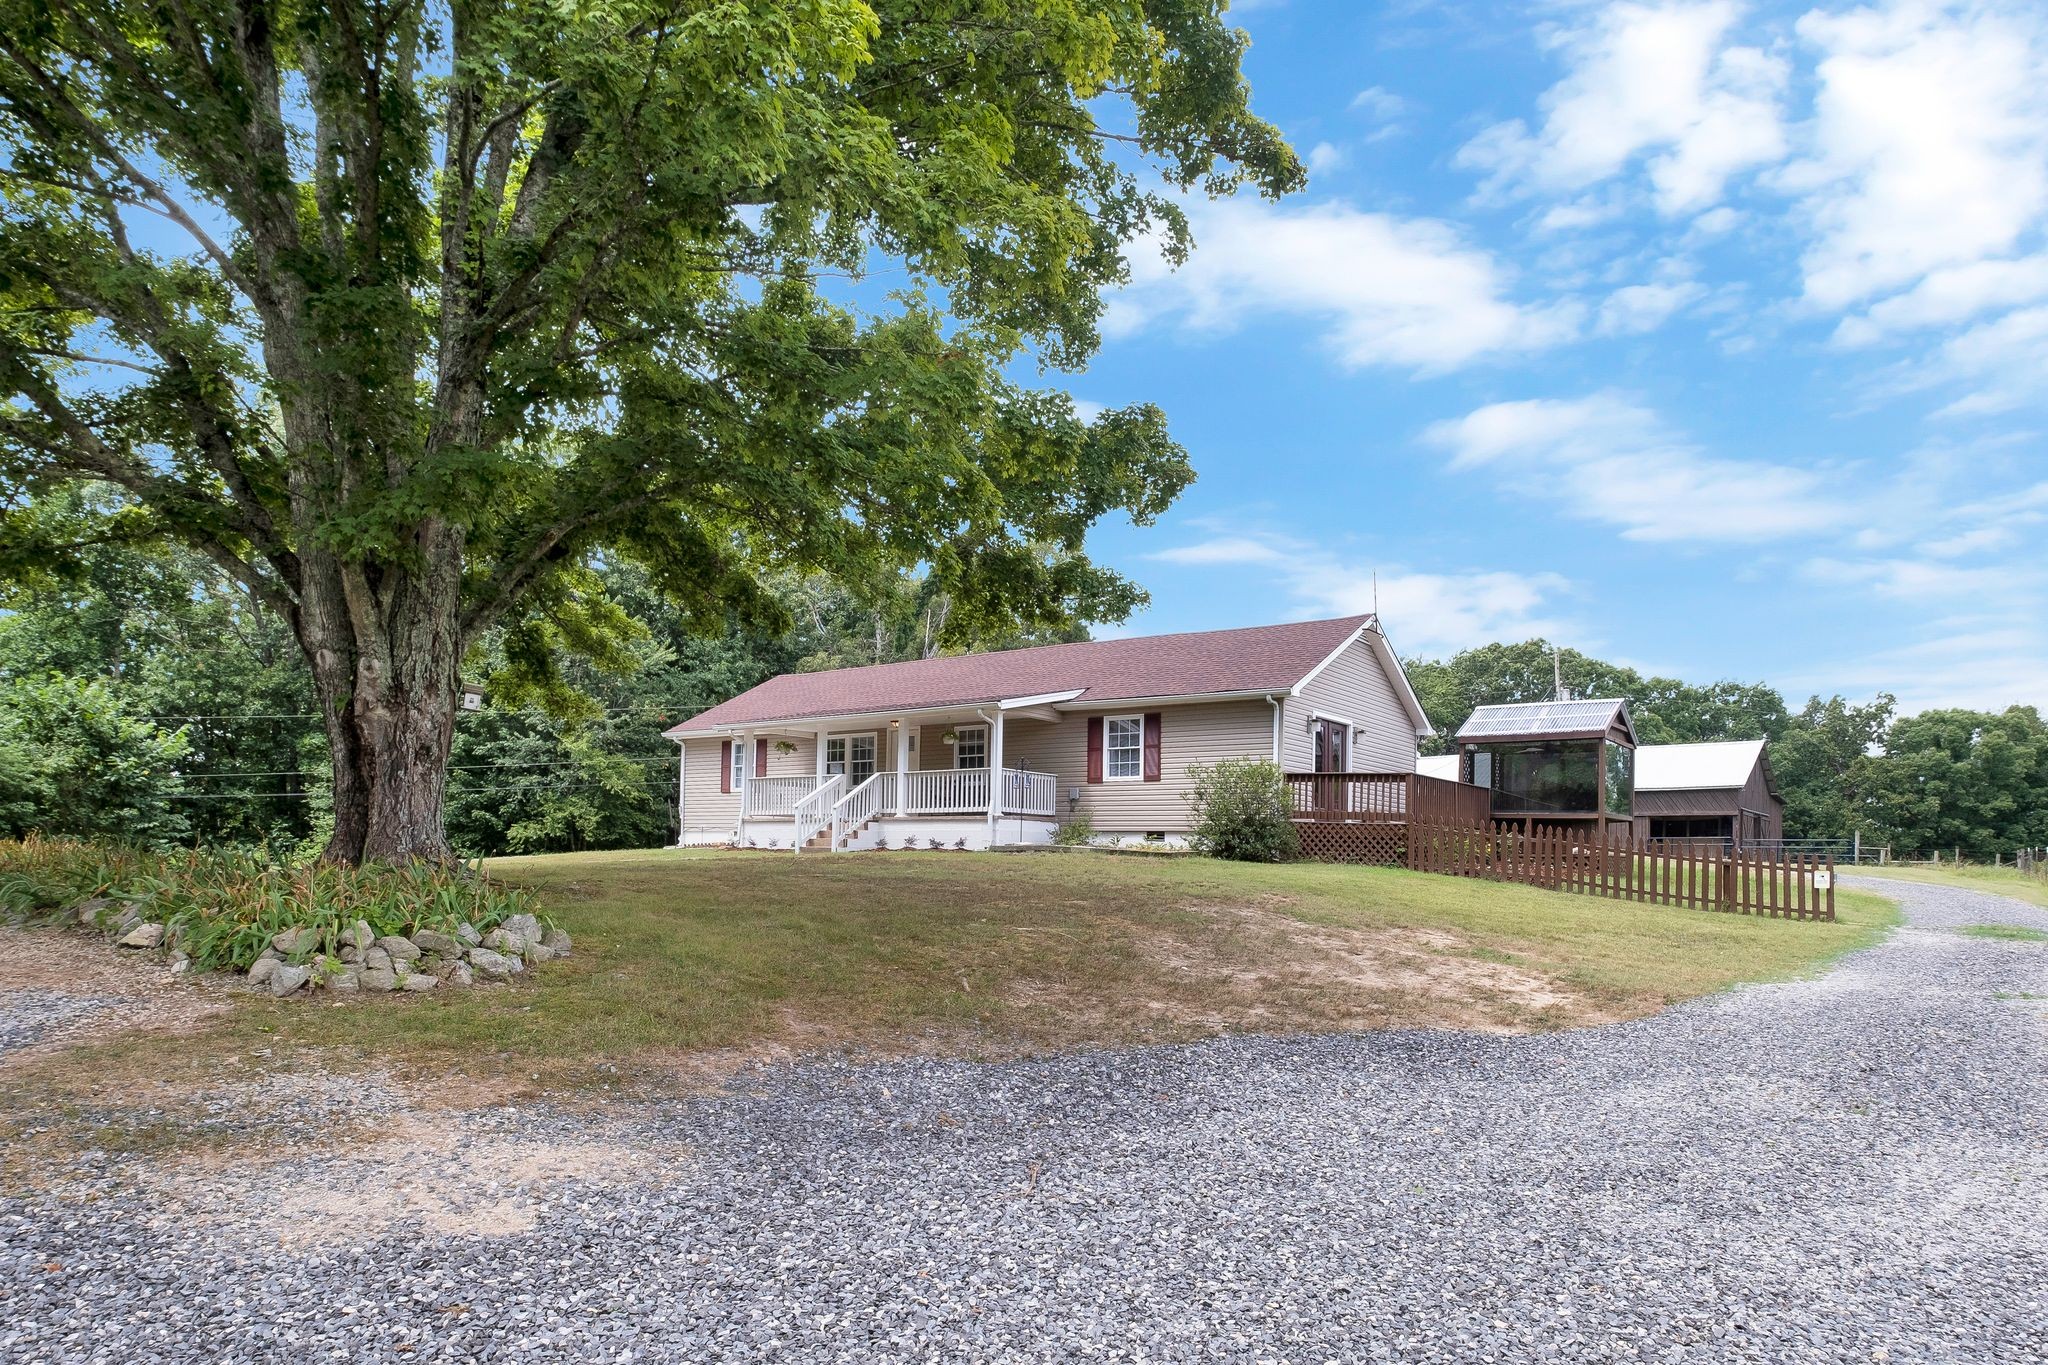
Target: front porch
x,y
957,807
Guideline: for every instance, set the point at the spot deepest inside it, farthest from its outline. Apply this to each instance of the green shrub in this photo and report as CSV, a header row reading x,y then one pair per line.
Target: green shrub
x,y
1078,832
221,910
1241,811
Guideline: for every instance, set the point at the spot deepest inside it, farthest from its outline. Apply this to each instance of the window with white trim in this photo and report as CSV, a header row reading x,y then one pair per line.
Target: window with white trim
x,y
1123,748
970,746
739,762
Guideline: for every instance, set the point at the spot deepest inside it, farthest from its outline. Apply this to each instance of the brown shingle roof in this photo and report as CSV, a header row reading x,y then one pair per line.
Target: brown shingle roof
x,y
1200,663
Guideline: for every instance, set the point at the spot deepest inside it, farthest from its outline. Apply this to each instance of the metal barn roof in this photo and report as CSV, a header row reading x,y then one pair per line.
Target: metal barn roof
x,y
1691,767
1546,719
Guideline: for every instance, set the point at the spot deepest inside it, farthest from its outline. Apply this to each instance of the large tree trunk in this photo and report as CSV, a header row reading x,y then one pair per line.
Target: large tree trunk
x,y
389,683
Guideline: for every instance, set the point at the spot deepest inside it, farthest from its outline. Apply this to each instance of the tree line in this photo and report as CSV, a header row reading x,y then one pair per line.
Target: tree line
x,y
1948,779
135,705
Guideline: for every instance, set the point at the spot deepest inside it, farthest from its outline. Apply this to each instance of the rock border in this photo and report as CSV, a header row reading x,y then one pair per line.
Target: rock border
x,y
425,960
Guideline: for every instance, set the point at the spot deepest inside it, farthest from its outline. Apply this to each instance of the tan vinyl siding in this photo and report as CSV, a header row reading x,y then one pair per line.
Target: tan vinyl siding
x,y
933,753
1200,732
705,806
1356,687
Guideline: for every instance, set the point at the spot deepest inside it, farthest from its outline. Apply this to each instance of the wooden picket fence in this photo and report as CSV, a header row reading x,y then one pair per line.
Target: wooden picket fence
x,y
1779,885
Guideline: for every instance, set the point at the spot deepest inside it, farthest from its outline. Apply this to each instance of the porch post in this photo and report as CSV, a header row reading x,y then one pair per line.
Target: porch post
x,y
902,746
683,784
746,770
819,755
995,774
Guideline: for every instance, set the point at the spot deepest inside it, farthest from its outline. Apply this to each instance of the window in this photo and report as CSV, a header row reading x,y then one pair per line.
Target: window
x,y
739,762
970,747
852,755
1123,748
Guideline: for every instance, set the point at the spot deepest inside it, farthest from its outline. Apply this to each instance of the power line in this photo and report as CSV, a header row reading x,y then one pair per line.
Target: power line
x,y
664,759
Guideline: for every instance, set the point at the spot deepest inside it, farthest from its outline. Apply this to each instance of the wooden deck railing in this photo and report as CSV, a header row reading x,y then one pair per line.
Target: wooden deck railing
x,y
1386,797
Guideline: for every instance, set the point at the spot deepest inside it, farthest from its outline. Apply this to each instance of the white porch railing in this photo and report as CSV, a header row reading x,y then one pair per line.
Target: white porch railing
x,y
777,795
1030,793
813,811
860,805
946,791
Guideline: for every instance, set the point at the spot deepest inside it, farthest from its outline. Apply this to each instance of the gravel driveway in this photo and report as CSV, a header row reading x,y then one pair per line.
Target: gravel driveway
x,y
1853,1168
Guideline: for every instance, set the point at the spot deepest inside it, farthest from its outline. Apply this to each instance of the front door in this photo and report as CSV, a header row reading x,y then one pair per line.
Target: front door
x,y
1331,737
853,755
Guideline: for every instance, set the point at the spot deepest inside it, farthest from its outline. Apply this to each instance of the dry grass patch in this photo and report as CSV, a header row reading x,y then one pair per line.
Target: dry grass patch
x,y
689,965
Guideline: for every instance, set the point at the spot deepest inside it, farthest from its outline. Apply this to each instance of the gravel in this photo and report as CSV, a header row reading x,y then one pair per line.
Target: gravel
x,y
1849,1168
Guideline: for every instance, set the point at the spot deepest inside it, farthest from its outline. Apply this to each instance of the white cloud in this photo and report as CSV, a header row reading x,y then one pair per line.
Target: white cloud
x,y
1660,83
1950,294
1425,613
1606,459
1394,291
1912,580
1379,103
2002,361
1325,157
1384,108
1641,308
1930,143
1982,664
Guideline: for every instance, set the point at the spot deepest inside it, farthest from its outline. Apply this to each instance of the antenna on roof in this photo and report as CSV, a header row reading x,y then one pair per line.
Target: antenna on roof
x,y
1375,594
1558,691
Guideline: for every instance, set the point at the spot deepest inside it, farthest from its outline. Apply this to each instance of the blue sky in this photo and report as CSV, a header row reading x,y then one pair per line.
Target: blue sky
x,y
1706,337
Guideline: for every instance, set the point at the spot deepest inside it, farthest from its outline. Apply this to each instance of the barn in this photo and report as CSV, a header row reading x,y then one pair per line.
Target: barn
x,y
1720,793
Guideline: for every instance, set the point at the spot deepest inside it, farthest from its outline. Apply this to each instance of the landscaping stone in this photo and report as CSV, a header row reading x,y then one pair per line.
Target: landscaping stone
x,y
260,970
457,973
495,964
361,935
180,964
89,911
468,934
292,942
539,952
523,927
143,936
419,981
288,977
351,953
556,939
378,979
348,981
429,941
400,948
377,960
499,941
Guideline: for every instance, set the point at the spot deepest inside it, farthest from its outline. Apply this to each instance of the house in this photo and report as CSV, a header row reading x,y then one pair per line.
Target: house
x,y
1721,793
974,750
1553,762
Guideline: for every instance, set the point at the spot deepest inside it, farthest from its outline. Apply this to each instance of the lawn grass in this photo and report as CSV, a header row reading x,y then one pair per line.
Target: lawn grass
x,y
2013,932
1998,881
693,952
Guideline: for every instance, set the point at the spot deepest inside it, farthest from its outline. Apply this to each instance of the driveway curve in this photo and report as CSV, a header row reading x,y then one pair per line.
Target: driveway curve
x,y
1848,1168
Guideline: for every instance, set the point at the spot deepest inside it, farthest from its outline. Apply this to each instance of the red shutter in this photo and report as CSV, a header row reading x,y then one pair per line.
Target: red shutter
x,y
725,765
1151,746
760,758
1094,749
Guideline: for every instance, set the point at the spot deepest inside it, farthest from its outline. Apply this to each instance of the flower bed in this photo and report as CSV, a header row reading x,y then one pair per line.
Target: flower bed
x,y
344,929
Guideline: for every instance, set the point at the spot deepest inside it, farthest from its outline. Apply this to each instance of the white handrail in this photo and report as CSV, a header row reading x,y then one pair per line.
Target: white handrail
x,y
1027,793
946,791
859,806
777,795
814,811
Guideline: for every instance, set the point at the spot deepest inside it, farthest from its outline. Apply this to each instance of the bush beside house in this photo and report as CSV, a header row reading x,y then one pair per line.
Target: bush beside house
x,y
1241,811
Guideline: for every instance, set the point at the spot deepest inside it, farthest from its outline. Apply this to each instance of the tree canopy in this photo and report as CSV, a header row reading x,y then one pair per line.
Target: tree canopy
x,y
404,315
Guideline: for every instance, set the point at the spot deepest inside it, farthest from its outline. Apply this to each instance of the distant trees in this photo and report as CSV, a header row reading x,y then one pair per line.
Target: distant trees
x,y
1953,780
136,705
